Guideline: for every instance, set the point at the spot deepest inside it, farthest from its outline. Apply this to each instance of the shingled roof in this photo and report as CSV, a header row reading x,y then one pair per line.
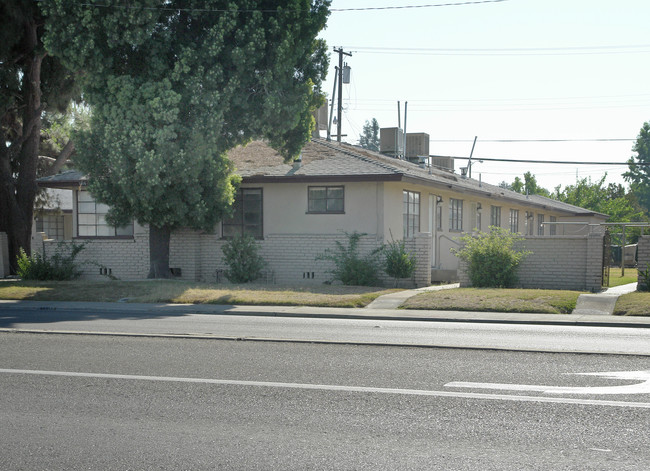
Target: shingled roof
x,y
325,161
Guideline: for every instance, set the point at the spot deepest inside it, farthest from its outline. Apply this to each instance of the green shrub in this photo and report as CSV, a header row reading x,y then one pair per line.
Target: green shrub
x,y
399,262
644,279
350,268
491,258
59,267
244,262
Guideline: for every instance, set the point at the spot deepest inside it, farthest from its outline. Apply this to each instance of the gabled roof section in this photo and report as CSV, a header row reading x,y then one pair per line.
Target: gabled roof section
x,y
66,179
327,161
319,159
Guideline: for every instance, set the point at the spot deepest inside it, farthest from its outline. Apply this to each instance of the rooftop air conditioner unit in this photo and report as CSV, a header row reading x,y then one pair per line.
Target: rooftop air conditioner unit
x,y
391,141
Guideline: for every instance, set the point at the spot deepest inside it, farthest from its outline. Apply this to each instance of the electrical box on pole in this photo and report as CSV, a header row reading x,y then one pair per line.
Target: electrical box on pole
x,y
339,113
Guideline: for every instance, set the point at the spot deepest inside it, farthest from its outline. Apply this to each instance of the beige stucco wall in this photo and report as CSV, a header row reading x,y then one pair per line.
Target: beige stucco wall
x,y
292,236
285,209
444,240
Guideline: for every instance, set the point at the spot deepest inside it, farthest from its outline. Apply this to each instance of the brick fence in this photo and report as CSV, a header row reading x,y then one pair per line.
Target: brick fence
x,y
197,256
643,254
558,262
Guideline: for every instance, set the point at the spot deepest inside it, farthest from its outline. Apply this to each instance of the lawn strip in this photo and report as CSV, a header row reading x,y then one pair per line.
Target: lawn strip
x,y
633,304
176,291
496,300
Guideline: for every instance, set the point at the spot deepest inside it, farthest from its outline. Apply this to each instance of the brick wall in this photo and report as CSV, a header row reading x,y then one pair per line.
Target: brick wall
x,y
125,259
420,246
558,262
643,254
292,259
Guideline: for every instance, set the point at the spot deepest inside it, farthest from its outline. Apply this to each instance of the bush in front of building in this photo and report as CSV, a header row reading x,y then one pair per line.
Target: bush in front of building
x,y
59,267
491,257
241,255
399,262
350,267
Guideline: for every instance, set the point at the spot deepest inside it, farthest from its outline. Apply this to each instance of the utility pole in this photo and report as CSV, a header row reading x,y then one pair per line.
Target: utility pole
x,y
329,126
341,53
469,163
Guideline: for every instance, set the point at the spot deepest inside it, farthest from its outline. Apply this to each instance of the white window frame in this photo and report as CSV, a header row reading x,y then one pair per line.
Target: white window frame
x,y
91,220
410,213
455,215
495,216
514,220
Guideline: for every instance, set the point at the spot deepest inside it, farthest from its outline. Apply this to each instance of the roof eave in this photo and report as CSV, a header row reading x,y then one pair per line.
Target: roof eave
x,y
320,178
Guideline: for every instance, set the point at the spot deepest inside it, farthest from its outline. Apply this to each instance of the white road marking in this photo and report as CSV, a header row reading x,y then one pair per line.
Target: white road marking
x,y
338,388
638,388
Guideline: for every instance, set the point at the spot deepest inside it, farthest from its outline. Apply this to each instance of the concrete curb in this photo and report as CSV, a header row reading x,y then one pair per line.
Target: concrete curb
x,y
143,310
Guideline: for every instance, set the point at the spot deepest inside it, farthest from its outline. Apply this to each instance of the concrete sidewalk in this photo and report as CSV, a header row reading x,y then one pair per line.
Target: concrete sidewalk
x,y
395,300
603,303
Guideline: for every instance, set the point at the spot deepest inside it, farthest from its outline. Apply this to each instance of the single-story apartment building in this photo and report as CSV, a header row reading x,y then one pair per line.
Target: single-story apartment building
x,y
298,210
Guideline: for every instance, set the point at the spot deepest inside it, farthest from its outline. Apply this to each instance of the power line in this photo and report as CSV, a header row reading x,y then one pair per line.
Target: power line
x,y
512,108
532,140
284,10
507,100
540,161
526,51
433,5
507,49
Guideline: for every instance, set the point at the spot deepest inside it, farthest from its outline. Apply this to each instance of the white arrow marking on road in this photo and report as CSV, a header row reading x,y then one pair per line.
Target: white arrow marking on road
x,y
341,388
638,388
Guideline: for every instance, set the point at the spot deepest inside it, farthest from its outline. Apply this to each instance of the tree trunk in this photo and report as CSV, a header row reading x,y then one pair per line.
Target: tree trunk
x,y
61,159
159,252
19,191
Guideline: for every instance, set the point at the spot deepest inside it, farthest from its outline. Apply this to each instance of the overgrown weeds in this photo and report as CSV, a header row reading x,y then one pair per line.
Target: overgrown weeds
x,y
60,266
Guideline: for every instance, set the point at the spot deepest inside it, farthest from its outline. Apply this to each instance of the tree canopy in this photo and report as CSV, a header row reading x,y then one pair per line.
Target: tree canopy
x,y
527,186
173,86
369,137
33,85
612,199
639,175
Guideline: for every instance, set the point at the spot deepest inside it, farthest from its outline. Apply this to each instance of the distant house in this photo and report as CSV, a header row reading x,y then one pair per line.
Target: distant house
x,y
53,217
298,210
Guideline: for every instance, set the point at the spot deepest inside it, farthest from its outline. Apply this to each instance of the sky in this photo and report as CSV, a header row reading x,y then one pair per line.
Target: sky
x,y
530,71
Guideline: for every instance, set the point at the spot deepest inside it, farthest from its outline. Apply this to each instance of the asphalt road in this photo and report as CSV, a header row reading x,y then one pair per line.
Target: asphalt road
x,y
104,402
554,338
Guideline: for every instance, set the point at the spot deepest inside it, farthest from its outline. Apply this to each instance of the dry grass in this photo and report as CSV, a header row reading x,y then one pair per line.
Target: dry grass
x,y
496,300
167,291
633,304
173,291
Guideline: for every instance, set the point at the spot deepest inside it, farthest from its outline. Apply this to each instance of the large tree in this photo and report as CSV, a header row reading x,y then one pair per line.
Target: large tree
x,y
528,186
173,85
369,137
639,168
610,199
32,84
